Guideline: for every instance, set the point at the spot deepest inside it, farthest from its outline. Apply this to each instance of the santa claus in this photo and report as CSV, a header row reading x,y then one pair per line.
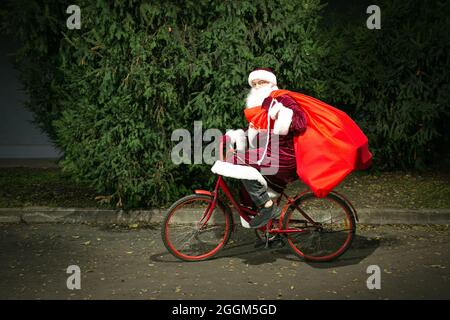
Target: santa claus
x,y
272,162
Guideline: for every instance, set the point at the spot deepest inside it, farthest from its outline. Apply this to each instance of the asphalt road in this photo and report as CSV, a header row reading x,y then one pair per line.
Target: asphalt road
x,y
123,263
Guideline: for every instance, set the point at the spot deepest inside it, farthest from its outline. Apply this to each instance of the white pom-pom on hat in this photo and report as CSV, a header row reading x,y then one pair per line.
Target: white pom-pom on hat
x,y
262,74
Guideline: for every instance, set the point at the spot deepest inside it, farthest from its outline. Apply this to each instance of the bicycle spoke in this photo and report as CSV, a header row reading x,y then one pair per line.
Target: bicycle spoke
x,y
325,227
187,236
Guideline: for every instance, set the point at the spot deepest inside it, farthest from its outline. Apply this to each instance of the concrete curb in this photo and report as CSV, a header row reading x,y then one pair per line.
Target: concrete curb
x,y
78,215
122,217
404,216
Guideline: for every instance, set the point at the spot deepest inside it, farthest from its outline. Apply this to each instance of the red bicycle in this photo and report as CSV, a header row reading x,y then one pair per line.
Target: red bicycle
x,y
198,226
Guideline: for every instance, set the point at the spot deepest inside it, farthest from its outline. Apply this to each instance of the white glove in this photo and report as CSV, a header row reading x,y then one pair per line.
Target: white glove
x,y
283,121
237,137
252,132
273,112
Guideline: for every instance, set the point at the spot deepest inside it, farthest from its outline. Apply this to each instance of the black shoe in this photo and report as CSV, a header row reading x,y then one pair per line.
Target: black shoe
x,y
264,215
277,242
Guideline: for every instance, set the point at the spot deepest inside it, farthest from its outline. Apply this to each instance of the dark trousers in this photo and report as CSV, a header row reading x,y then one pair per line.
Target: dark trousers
x,y
256,191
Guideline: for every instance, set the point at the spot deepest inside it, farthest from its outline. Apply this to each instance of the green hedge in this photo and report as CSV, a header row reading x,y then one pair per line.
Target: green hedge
x,y
395,81
111,94
137,71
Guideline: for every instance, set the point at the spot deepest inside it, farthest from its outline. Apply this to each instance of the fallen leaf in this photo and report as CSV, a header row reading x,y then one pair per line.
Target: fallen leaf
x,y
87,243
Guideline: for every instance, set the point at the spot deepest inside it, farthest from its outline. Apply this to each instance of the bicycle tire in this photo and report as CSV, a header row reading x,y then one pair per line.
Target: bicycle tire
x,y
169,228
308,245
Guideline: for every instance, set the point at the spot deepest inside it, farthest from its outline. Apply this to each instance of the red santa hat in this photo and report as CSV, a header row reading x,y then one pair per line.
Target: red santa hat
x,y
262,74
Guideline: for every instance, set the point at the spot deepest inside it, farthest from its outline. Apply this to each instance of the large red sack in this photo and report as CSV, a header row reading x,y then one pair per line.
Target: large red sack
x,y
332,146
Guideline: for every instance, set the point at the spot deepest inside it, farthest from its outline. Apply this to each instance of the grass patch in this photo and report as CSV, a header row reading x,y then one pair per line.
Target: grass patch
x,y
22,187
394,190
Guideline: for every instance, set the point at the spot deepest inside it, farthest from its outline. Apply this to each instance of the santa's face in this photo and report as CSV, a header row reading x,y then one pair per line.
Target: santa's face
x,y
260,83
260,90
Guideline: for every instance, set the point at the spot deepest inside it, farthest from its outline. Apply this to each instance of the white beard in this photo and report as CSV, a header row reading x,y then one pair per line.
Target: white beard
x,y
256,97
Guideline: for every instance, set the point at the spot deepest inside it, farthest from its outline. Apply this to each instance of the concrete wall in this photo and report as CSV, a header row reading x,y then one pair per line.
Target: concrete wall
x,y
19,138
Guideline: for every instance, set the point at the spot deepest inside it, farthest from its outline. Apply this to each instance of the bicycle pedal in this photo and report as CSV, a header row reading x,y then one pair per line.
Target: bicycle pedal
x,y
267,239
277,244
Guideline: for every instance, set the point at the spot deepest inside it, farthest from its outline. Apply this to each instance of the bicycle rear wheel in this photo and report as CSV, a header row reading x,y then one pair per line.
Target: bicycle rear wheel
x,y
187,236
324,227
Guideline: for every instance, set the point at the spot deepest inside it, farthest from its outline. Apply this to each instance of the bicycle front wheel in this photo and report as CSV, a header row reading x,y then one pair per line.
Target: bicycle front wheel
x,y
319,229
186,234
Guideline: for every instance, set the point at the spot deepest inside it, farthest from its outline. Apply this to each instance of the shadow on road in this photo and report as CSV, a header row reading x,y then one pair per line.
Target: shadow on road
x,y
361,248
243,247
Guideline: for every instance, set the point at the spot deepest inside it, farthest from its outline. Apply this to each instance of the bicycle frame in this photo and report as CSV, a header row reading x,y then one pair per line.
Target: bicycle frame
x,y
286,225
245,212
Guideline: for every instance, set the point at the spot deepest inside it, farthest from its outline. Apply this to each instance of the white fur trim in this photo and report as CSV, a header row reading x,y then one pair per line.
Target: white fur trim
x,y
238,137
262,75
283,122
238,172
